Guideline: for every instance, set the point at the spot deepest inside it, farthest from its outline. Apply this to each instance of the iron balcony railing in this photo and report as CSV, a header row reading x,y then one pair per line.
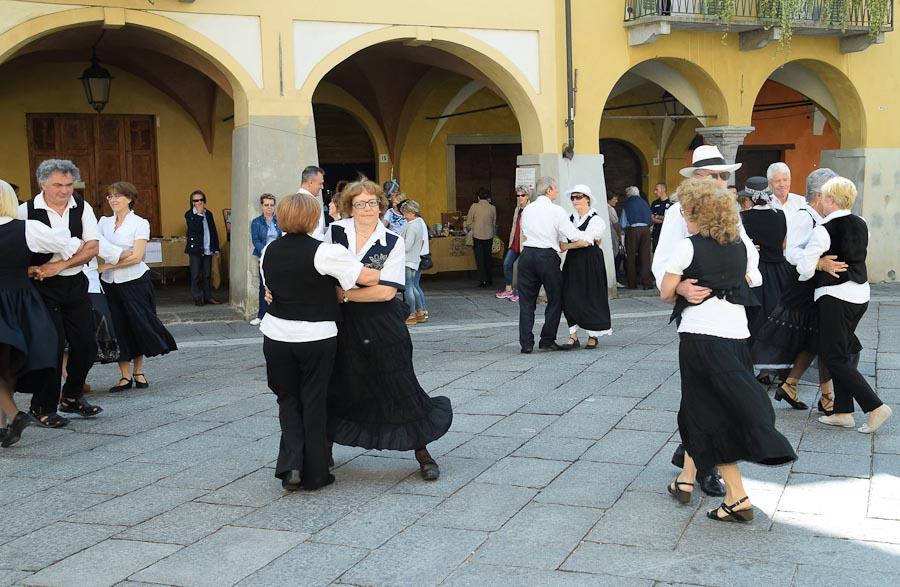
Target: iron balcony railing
x,y
812,13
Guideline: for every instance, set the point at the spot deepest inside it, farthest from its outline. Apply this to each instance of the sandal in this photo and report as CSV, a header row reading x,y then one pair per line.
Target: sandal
x,y
675,491
826,403
78,405
51,420
428,468
122,386
573,343
788,392
590,340
138,384
14,432
731,514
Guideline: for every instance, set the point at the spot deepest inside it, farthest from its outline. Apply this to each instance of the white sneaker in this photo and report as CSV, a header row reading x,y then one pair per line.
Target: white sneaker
x,y
255,322
877,417
842,420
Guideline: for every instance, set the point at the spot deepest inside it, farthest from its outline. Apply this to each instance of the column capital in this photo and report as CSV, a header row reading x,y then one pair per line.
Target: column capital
x,y
719,135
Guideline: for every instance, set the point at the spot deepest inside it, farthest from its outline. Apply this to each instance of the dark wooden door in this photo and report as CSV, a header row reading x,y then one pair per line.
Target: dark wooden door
x,y
106,149
755,161
621,167
492,167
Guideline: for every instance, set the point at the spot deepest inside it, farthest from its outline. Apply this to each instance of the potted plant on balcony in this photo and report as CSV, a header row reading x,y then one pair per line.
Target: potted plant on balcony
x,y
784,13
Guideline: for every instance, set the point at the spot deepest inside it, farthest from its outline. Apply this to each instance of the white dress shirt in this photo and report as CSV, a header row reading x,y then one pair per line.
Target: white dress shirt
x,y
715,316
393,270
40,238
133,228
799,230
544,225
674,228
333,260
88,225
790,206
319,232
819,242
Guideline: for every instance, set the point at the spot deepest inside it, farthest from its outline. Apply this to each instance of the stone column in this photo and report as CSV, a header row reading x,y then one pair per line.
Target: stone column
x,y
727,139
268,154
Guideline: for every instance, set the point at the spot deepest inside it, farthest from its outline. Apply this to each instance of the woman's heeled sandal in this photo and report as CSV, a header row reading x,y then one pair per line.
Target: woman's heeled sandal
x,y
140,384
128,383
675,491
592,343
731,514
573,343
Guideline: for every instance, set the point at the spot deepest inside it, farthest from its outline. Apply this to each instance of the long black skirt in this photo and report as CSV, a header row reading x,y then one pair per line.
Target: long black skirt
x,y
777,277
138,330
585,299
26,327
725,415
790,328
375,400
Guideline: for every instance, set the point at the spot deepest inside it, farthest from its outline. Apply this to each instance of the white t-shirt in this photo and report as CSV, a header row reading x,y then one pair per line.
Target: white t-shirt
x,y
715,316
333,260
133,228
88,225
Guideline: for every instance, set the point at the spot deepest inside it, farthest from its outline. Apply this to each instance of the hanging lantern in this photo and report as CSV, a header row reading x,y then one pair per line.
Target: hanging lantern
x,y
97,82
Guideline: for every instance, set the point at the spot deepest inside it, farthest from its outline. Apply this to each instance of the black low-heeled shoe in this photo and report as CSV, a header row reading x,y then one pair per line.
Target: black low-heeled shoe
x,y
129,383
291,481
318,484
782,395
822,409
137,383
14,432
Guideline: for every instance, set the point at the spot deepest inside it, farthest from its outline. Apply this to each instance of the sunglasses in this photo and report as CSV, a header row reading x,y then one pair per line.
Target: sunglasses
x,y
574,197
723,175
201,200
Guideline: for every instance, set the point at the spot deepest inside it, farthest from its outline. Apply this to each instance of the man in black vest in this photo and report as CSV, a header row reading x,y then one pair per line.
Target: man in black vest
x,y
64,289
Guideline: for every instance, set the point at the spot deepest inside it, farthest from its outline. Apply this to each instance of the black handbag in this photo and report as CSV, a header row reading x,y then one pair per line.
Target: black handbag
x,y
426,262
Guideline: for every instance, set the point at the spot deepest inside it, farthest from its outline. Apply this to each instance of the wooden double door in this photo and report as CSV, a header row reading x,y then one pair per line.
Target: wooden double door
x,y
106,148
493,167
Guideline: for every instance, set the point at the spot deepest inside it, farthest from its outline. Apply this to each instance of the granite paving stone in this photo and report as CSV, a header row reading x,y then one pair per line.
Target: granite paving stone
x,y
488,447
479,506
378,521
630,447
44,508
821,463
477,575
635,520
816,576
546,446
43,547
185,524
520,425
255,489
105,563
310,563
230,554
650,420
135,507
456,472
119,479
10,577
523,472
596,485
806,493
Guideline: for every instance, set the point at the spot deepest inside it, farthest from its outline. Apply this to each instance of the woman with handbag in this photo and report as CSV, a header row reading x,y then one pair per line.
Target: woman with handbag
x,y
415,238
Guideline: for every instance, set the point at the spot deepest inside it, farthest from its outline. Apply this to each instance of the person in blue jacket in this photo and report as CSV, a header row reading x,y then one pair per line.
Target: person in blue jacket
x,y
263,230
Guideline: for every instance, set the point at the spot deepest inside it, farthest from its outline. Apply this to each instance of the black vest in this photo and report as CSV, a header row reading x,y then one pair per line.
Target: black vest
x,y
849,240
299,292
41,215
721,268
16,255
767,229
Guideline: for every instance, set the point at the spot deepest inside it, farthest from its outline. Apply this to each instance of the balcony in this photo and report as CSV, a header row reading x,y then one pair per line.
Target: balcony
x,y
647,20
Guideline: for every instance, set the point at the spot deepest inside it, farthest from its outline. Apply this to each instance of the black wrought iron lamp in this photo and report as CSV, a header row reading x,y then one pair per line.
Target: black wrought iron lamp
x,y
97,82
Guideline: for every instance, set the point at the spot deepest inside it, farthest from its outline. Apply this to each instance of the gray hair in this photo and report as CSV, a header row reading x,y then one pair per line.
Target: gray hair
x,y
632,191
411,206
544,185
815,181
776,168
310,172
51,166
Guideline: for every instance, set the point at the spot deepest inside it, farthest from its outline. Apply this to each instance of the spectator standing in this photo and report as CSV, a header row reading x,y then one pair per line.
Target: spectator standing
x,y
263,230
658,211
393,217
635,220
202,246
515,245
616,234
415,234
481,219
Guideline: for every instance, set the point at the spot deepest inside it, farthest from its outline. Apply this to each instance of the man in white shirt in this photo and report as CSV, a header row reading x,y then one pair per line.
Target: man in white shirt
x,y
64,289
779,176
312,179
544,225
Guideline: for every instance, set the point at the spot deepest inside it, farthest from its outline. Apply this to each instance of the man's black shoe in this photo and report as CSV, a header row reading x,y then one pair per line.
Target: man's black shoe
x,y
551,346
525,350
711,484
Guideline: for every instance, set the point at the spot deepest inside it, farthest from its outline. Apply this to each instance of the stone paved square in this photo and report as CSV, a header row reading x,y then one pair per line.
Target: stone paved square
x,y
553,473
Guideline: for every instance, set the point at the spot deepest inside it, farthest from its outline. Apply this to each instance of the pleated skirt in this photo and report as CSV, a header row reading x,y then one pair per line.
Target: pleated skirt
x,y
139,331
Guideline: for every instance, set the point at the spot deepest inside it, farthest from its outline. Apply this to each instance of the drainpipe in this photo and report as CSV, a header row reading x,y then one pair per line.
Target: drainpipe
x,y
569,148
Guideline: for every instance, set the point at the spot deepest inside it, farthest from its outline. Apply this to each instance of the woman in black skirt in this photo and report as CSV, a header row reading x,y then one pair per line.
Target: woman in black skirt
x,y
585,301
767,228
132,300
24,321
725,415
300,329
375,400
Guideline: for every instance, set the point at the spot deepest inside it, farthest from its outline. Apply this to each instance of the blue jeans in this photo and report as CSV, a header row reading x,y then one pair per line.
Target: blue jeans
x,y
414,296
508,262
263,306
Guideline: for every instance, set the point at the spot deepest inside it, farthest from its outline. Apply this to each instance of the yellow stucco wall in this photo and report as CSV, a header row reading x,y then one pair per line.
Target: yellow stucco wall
x,y
183,161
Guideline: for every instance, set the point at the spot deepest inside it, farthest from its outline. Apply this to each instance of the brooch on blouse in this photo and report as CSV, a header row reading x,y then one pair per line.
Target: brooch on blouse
x,y
377,261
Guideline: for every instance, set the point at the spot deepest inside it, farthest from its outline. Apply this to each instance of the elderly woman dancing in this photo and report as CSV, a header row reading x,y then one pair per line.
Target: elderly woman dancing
x,y
725,415
842,300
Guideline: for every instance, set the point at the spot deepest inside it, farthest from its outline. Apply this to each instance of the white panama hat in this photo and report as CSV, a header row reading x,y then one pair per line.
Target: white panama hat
x,y
581,189
708,157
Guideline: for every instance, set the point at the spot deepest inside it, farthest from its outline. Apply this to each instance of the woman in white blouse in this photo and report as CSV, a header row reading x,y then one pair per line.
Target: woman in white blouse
x,y
131,297
585,301
725,415
375,400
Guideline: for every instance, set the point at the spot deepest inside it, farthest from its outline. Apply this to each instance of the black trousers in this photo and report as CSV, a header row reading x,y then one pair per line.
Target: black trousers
x,y
483,259
298,373
69,305
201,276
539,267
637,256
837,339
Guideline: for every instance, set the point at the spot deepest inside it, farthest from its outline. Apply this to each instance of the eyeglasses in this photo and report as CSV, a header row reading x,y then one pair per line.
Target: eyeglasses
x,y
200,200
574,197
362,205
723,175
114,196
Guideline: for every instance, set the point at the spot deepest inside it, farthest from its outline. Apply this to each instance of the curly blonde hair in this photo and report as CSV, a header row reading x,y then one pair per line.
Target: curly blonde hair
x,y
711,207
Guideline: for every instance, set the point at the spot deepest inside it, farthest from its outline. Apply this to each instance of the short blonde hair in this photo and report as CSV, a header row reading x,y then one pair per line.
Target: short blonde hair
x,y
351,190
708,204
298,213
9,203
841,190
